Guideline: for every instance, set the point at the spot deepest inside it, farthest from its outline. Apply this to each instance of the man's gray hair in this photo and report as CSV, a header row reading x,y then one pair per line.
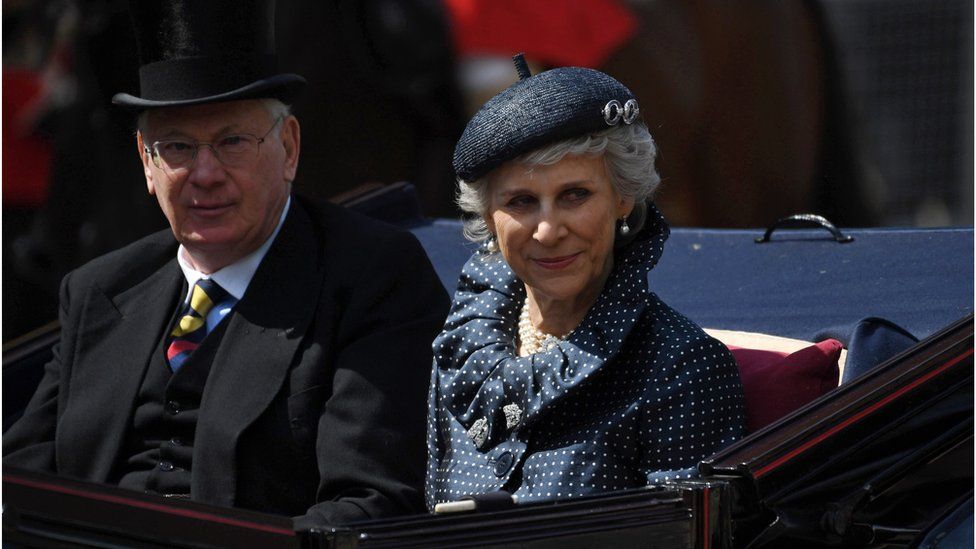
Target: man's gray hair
x,y
275,107
628,151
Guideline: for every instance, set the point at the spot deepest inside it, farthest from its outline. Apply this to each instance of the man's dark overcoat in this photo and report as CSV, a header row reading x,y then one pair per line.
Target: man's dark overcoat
x,y
315,399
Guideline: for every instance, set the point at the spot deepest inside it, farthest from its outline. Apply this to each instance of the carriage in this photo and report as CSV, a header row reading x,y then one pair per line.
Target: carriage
x,y
869,445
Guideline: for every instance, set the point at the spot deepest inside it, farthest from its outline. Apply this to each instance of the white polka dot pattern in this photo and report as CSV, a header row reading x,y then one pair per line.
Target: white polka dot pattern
x,y
637,394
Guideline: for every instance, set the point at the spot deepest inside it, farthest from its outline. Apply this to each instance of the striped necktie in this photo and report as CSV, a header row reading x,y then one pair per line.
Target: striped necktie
x,y
192,325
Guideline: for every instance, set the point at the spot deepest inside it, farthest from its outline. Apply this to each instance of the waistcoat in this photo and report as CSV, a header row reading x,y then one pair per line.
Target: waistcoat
x,y
157,456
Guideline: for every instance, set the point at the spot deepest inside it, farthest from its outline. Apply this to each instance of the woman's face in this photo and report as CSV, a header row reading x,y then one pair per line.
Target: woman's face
x,y
555,224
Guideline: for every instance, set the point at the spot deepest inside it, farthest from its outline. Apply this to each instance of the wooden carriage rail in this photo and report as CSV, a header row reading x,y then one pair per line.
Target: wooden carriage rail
x,y
23,368
656,516
43,510
769,449
35,341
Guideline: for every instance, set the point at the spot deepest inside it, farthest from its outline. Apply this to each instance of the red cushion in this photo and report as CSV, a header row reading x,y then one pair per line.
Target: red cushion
x,y
776,383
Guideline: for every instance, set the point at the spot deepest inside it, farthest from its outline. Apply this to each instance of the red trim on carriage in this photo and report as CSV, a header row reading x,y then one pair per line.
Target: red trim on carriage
x,y
762,471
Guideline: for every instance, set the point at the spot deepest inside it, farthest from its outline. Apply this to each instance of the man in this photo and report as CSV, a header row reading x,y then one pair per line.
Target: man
x,y
274,355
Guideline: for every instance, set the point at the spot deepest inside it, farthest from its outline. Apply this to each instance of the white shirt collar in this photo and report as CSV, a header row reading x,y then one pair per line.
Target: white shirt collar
x,y
234,277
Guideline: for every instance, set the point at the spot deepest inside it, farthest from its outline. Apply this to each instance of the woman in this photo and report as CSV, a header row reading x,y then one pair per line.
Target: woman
x,y
558,373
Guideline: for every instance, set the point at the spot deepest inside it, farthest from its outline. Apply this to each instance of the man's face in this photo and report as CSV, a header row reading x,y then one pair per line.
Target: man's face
x,y
221,213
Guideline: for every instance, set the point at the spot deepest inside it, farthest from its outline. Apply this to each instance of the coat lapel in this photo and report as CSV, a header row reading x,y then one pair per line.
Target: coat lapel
x,y
117,336
255,354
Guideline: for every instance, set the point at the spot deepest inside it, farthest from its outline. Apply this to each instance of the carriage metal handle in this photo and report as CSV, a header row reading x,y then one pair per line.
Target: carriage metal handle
x,y
805,221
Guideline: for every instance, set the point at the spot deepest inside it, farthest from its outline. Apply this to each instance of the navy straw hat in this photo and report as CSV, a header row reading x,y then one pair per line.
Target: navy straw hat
x,y
550,106
194,52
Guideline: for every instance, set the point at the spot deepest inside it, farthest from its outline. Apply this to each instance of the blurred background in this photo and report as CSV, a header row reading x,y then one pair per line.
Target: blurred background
x,y
859,110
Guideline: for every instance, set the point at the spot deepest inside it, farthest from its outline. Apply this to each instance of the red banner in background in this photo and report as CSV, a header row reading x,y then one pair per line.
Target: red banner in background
x,y
26,155
580,33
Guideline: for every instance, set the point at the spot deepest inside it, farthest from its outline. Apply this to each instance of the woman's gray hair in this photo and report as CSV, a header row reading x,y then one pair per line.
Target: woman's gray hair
x,y
628,151
275,108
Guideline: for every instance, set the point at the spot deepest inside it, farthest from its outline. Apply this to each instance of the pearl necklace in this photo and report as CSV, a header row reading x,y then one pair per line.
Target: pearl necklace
x,y
531,338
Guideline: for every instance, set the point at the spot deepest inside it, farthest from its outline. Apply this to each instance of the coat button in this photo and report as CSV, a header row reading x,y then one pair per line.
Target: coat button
x,y
172,407
504,463
165,466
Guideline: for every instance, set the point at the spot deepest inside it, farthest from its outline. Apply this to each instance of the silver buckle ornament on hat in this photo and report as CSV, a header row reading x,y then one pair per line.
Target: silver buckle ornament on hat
x,y
613,112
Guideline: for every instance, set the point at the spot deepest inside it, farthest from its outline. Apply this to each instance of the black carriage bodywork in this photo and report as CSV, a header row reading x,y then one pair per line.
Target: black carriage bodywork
x,y
884,460
875,462
878,462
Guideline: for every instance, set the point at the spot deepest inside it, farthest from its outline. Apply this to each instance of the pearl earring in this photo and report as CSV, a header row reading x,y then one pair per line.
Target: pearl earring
x,y
491,245
624,227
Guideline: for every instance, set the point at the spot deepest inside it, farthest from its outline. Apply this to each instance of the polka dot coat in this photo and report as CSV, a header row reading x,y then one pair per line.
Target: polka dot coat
x,y
637,394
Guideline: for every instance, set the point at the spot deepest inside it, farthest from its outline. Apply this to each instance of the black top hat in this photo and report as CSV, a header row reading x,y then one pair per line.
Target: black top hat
x,y
194,52
537,110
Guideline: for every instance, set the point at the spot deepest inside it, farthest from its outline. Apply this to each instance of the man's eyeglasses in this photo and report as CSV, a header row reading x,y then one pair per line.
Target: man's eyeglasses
x,y
234,151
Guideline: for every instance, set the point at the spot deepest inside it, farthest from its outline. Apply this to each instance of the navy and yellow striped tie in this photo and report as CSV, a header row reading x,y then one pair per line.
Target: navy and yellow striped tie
x,y
192,325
